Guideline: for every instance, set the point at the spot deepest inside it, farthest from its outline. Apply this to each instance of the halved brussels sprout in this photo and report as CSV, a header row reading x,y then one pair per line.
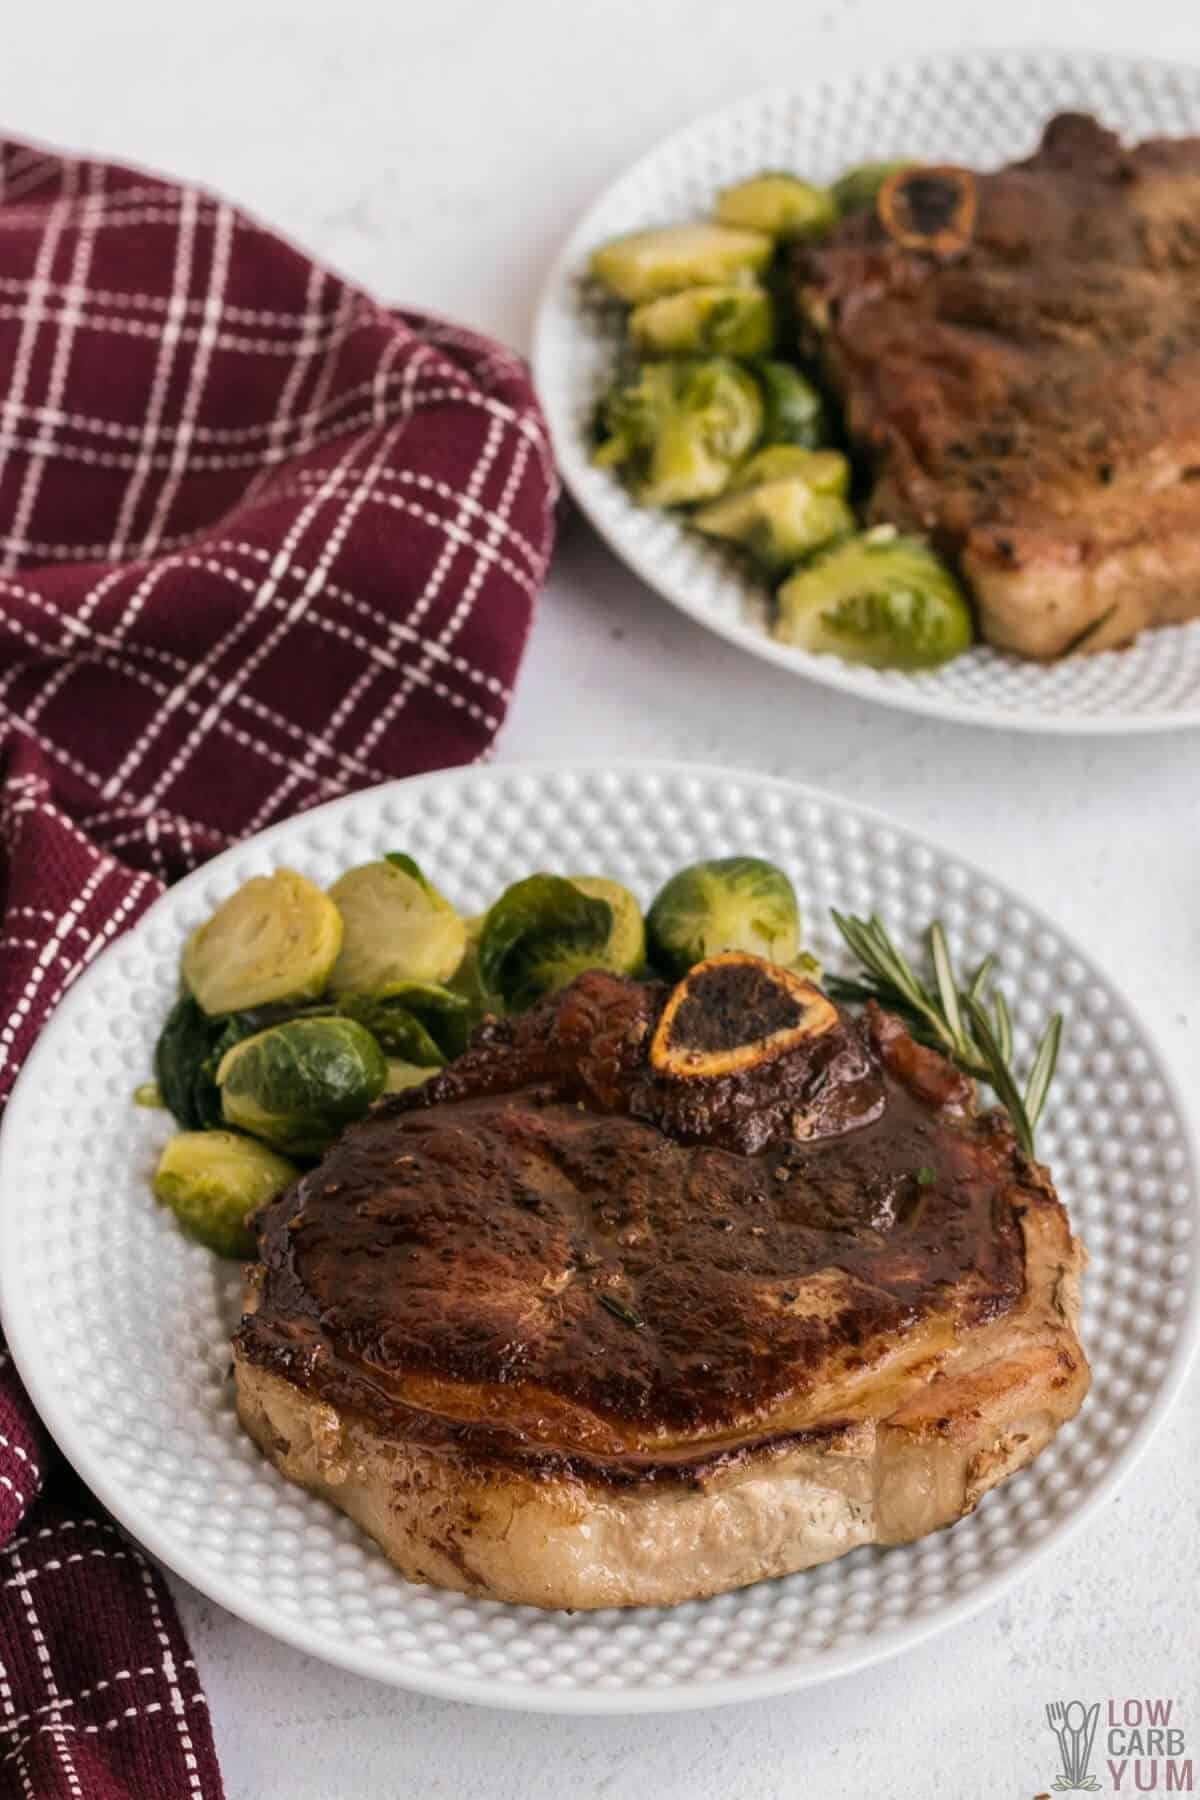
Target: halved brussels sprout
x,y
645,264
624,950
729,903
824,471
793,410
467,982
398,927
878,598
418,1020
403,1075
778,522
181,1065
539,935
213,1181
859,187
782,205
298,1085
276,939
728,319
676,429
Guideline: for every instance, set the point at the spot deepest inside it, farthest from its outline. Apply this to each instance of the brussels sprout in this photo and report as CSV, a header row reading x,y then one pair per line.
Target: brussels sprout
x,y
403,1075
779,204
878,598
417,1020
298,1085
538,936
625,949
213,1181
793,410
732,903
276,939
735,321
859,188
182,1069
824,471
397,927
649,263
467,981
677,428
778,522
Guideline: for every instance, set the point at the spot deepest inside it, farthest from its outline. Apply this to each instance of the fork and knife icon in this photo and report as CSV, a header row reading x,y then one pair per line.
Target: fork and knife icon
x,y
1074,1725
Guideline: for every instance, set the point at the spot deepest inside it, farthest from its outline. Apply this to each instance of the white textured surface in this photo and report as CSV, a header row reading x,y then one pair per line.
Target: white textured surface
x,y
442,154
979,109
139,1395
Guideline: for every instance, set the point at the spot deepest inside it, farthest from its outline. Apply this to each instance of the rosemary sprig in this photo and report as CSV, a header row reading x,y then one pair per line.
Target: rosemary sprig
x,y
970,1023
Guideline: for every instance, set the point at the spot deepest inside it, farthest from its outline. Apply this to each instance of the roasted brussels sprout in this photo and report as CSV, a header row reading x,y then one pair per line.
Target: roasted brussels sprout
x,y
467,981
859,187
545,930
824,471
781,205
731,903
186,1079
649,263
677,429
877,598
403,1075
213,1181
793,410
397,927
417,1020
778,522
275,940
298,1085
729,320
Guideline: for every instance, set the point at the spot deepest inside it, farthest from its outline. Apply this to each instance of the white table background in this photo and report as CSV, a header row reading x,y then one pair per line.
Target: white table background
x,y
438,153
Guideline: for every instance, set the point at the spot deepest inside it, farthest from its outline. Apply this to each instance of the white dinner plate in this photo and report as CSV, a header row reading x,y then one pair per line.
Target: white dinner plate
x,y
120,1326
980,108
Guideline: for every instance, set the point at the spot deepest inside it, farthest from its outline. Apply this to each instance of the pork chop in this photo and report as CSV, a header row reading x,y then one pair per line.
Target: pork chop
x,y
1019,358
612,1312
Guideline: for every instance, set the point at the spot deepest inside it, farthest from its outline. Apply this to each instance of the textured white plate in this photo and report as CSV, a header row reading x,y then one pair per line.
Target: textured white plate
x,y
981,108
120,1326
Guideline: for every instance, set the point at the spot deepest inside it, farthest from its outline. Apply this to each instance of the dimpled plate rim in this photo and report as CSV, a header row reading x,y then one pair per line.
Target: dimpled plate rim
x,y
364,823
574,347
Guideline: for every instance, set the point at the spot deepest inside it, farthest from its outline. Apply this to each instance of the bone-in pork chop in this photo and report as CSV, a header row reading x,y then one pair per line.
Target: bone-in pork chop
x,y
1019,358
655,1293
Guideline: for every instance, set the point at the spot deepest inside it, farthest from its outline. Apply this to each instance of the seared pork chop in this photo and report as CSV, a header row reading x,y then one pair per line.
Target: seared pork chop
x,y
611,1312
1019,357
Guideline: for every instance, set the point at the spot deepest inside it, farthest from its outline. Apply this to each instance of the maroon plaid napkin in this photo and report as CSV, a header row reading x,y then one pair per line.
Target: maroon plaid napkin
x,y
262,541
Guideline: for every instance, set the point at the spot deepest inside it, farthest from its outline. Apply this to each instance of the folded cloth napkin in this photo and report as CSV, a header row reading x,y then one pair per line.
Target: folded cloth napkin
x,y
262,541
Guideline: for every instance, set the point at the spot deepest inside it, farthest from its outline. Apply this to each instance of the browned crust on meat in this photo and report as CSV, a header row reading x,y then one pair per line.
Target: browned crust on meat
x,y
1031,401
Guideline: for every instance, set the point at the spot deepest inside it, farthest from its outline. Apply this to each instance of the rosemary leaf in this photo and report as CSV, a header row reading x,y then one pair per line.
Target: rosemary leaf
x,y
1042,1073
947,982
1003,1022
619,1310
981,977
999,1075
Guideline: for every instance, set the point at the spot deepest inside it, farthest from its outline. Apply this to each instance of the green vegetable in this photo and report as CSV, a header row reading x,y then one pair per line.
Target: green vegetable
x,y
149,1095
794,412
824,471
417,1020
878,598
182,1069
539,935
298,1085
677,429
403,1075
728,319
467,982
859,187
398,927
275,940
213,1181
624,950
730,903
646,264
778,522
779,204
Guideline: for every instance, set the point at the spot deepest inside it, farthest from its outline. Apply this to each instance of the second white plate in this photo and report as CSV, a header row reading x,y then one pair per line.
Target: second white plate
x,y
980,109
120,1327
